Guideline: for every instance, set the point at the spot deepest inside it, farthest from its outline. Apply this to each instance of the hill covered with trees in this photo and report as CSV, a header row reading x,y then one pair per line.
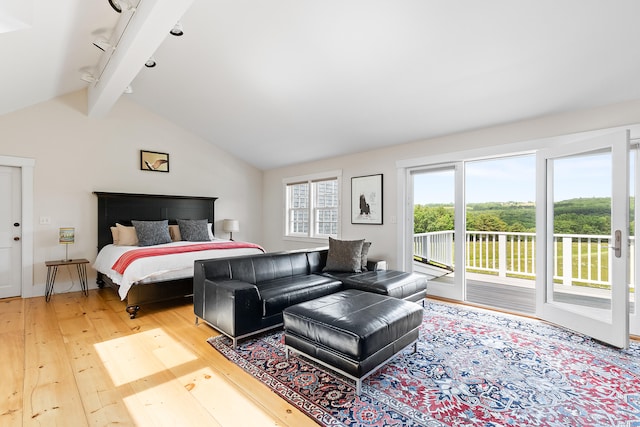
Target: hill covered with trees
x,y
575,216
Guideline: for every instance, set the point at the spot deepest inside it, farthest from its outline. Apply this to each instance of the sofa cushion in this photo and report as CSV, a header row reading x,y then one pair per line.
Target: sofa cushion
x,y
317,260
281,293
398,284
344,255
280,265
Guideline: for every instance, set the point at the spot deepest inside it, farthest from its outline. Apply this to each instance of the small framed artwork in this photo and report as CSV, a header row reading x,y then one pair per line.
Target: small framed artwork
x,y
155,162
366,199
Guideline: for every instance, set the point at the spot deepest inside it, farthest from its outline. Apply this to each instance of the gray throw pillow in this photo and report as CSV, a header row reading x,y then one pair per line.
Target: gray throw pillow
x,y
152,232
344,256
365,255
194,230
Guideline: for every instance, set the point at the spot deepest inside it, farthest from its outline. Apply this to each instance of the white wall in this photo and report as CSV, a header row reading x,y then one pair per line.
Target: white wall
x,y
384,238
76,155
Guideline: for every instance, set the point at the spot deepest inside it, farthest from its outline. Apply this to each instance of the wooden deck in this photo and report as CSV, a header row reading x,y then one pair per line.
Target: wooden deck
x,y
506,297
518,295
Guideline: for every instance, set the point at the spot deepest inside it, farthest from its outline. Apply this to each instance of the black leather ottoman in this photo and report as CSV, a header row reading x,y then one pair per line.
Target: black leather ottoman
x,y
398,284
353,332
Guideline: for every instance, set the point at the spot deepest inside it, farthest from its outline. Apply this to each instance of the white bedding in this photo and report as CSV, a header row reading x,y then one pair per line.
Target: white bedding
x,y
158,268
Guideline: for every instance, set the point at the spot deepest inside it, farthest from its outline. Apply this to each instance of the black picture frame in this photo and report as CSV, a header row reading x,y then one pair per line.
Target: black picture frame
x,y
366,199
152,161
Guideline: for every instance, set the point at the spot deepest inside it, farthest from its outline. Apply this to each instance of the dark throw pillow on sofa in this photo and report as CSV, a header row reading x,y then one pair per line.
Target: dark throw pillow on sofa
x,y
344,256
152,232
365,255
194,230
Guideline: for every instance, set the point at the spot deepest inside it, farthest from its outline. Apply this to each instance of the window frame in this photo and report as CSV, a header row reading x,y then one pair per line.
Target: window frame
x,y
313,209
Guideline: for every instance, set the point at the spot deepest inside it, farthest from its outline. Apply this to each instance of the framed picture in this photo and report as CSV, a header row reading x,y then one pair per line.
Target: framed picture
x,y
155,162
366,199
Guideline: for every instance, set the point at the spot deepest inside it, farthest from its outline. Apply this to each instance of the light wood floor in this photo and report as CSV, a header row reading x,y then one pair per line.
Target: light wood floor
x,y
80,361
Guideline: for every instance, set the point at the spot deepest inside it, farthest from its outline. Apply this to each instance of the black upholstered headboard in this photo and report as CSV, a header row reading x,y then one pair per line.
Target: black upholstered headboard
x,y
123,207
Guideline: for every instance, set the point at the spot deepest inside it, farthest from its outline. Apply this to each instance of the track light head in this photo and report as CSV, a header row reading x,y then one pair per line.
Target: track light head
x,y
102,44
177,29
151,62
119,5
115,4
88,77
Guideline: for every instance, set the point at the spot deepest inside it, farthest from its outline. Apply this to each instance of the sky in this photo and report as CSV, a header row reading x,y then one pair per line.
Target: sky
x,y
513,179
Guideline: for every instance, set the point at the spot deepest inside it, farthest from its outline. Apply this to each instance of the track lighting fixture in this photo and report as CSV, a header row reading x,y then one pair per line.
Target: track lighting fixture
x,y
177,29
151,62
118,5
102,44
88,77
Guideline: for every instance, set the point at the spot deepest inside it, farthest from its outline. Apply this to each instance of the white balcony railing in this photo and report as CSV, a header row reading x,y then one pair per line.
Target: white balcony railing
x,y
578,259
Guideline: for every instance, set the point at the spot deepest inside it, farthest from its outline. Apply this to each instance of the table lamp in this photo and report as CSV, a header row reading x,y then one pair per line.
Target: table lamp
x,y
67,237
229,226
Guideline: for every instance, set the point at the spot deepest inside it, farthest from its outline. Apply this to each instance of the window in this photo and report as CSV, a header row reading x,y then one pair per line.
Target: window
x,y
312,206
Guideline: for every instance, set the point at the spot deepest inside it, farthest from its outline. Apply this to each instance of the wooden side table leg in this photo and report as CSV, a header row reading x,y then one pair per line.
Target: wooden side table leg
x,y
51,279
82,275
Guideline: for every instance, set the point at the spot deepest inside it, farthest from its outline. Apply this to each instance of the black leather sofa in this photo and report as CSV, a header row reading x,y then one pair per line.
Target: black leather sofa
x,y
242,296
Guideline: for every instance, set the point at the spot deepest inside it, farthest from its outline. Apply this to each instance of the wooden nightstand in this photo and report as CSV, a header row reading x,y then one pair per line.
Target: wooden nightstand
x,y
52,270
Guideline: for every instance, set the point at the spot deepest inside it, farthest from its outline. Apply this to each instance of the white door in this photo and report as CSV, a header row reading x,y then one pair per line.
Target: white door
x,y
10,232
568,294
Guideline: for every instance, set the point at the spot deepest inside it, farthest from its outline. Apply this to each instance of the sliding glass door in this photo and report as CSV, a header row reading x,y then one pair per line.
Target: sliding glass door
x,y
474,231
579,261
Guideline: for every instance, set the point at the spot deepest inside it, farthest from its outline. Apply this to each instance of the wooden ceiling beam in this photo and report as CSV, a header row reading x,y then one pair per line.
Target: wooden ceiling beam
x,y
137,36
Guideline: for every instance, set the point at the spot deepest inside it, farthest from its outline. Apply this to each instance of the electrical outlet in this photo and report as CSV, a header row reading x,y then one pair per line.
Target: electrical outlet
x,y
45,220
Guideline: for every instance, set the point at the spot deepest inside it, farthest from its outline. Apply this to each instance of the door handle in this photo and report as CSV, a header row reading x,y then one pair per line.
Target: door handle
x,y
617,247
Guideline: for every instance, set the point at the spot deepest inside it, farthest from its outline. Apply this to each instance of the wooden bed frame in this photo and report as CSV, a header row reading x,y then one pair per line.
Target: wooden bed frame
x,y
122,208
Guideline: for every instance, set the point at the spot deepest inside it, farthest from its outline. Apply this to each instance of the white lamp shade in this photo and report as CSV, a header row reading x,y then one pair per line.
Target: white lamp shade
x,y
230,225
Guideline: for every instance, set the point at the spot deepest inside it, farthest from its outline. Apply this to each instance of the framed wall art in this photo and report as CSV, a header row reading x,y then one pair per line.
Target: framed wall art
x,y
153,161
366,199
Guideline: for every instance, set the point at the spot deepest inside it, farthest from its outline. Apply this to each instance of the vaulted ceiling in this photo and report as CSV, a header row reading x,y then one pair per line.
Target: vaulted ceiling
x,y
286,81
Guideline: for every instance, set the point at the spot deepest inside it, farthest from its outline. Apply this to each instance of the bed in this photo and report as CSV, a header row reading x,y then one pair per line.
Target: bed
x,y
144,276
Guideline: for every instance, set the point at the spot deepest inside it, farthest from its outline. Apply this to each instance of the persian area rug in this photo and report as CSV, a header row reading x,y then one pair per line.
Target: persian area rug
x,y
472,368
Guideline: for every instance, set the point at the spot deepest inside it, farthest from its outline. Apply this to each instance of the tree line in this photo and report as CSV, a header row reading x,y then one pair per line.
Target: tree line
x,y
574,216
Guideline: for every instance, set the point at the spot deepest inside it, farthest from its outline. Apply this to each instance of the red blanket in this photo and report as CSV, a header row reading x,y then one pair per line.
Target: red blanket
x,y
128,257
